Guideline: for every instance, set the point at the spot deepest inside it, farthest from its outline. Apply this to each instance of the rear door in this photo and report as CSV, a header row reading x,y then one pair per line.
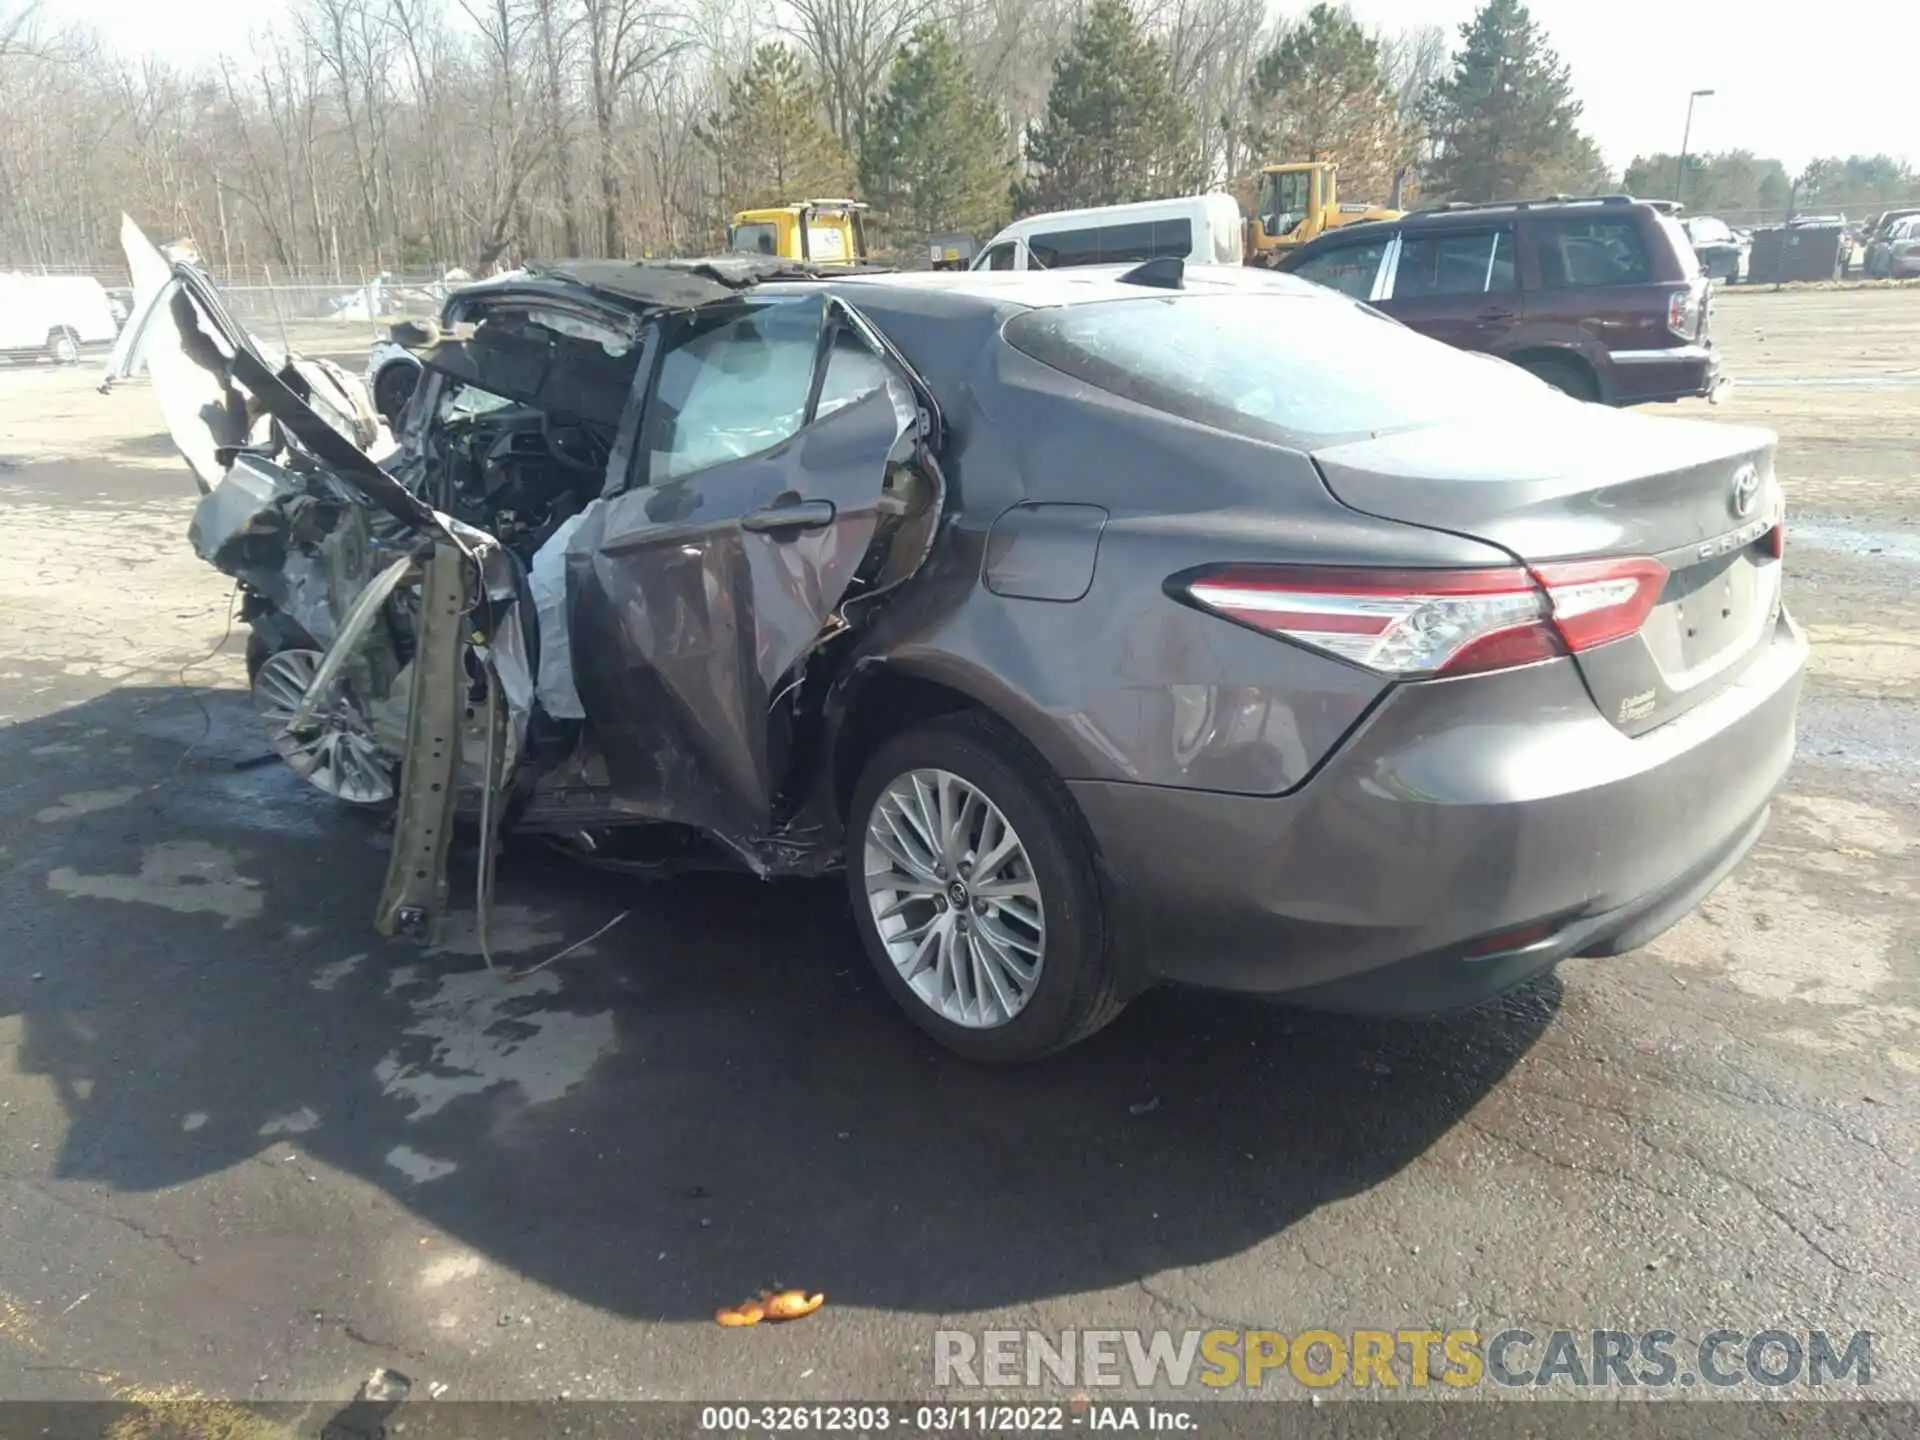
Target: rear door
x,y
758,463
1460,286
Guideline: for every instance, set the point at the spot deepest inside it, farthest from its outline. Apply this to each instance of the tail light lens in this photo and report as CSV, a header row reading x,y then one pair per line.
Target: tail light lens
x,y
1409,623
1775,540
1684,309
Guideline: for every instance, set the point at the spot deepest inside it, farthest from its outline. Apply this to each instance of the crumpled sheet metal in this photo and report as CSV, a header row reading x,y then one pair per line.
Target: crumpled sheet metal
x,y
308,551
688,284
359,619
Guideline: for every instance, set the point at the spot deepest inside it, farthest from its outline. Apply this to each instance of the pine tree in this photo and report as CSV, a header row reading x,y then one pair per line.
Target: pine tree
x,y
1321,94
772,143
1506,122
933,152
1114,129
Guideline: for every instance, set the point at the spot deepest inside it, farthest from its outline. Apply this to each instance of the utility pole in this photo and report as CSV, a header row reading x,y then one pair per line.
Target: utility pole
x,y
1686,137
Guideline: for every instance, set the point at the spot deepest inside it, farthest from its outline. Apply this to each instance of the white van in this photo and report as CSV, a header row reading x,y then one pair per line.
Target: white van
x,y
1200,229
54,315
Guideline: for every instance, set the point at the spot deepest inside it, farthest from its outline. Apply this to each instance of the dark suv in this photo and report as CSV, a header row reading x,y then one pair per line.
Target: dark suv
x,y
1601,297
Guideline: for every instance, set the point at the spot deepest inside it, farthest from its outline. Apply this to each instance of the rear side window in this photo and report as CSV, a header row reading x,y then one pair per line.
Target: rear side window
x,y
853,371
999,257
1298,369
1111,244
1579,251
1470,263
734,383
1350,269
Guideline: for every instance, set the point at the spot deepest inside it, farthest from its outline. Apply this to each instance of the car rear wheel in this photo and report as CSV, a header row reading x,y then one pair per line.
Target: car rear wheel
x,y
63,348
1569,377
975,892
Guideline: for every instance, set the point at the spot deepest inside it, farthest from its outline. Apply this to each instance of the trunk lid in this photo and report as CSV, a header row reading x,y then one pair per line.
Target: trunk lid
x,y
1565,481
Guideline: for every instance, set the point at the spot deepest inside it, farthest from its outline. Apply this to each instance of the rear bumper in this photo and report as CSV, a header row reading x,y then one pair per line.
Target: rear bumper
x,y
1678,372
1468,835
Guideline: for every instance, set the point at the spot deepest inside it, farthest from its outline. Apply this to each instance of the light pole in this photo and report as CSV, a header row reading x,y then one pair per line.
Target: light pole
x,y
1686,136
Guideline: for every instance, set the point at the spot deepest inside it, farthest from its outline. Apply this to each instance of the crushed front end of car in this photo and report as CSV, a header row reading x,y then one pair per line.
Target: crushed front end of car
x,y
487,617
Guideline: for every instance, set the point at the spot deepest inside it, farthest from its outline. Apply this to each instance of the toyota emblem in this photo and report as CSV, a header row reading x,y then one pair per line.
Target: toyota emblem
x,y
1746,491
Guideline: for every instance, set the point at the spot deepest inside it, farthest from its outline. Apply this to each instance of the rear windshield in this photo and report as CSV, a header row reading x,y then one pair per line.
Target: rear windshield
x,y
1300,370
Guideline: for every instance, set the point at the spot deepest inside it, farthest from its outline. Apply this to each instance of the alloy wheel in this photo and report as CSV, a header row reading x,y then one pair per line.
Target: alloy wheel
x,y
338,754
954,898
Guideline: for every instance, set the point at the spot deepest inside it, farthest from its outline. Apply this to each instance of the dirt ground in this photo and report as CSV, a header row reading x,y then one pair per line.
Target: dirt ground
x,y
248,1150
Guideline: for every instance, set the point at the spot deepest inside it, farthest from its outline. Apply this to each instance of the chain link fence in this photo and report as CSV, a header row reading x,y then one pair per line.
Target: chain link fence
x,y
315,313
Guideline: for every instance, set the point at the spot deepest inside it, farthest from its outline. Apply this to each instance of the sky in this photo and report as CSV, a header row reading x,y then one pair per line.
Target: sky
x,y
1816,81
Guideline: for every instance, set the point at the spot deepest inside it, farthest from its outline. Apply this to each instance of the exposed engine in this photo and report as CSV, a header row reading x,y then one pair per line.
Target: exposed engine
x,y
516,472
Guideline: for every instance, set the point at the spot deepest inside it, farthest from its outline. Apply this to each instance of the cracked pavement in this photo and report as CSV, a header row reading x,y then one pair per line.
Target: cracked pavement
x,y
249,1150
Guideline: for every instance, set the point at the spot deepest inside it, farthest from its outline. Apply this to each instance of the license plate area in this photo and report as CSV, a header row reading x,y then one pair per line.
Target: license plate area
x,y
1711,614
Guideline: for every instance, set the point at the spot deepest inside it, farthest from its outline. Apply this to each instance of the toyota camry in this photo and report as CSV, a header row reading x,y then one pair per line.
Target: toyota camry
x,y
1105,628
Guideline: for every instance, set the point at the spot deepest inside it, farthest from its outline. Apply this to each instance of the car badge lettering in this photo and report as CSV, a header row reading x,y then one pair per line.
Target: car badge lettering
x,y
1637,707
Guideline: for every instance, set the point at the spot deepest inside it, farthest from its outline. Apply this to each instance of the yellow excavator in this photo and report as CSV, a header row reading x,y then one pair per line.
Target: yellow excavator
x,y
1301,199
822,232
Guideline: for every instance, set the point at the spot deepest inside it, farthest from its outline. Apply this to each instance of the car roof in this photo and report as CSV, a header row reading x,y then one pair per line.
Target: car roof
x,y
938,319
942,321
1096,217
1470,216
1007,290
689,284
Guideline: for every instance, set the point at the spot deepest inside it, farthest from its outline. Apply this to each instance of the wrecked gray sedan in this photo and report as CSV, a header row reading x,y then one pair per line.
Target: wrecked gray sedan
x,y
1101,638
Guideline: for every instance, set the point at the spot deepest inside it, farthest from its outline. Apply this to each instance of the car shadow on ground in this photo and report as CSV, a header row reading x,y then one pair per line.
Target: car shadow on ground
x,y
715,1097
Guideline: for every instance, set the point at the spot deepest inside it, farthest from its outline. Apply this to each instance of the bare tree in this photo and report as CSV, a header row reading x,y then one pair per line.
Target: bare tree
x,y
1211,46
354,47
514,140
20,29
358,134
623,39
1414,61
851,44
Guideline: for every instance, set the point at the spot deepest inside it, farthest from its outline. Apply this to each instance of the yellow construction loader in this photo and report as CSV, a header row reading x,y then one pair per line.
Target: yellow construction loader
x,y
1299,200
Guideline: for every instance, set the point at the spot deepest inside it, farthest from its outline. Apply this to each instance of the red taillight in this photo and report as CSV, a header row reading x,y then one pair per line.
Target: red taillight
x,y
1437,622
1775,540
1595,601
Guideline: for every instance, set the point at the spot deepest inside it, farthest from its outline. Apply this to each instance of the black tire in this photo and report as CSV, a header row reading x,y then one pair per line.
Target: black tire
x,y
1569,377
63,347
1078,988
392,388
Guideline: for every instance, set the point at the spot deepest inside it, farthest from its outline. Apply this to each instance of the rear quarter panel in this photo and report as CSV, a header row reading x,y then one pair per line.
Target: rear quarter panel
x,y
1127,683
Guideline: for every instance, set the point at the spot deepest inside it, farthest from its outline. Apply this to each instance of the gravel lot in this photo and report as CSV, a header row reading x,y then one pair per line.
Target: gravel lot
x,y
250,1151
